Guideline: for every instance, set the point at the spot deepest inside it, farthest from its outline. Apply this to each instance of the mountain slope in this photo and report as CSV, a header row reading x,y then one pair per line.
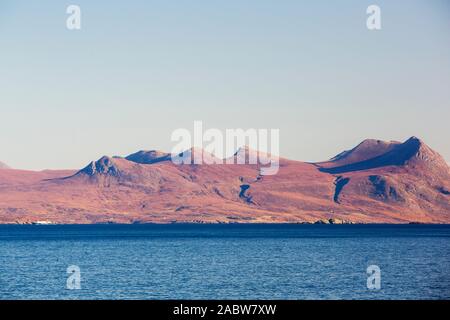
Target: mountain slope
x,y
148,157
376,181
368,149
3,166
411,152
408,177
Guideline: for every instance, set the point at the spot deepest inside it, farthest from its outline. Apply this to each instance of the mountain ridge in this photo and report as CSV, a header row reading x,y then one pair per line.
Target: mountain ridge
x,y
375,182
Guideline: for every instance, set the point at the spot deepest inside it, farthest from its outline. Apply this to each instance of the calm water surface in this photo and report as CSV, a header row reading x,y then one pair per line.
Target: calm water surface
x,y
225,261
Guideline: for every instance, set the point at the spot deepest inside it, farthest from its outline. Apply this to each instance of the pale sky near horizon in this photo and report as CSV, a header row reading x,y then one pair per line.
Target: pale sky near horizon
x,y
137,70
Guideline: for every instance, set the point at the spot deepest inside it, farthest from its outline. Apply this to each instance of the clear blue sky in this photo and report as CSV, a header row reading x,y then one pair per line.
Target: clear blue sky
x,y
140,69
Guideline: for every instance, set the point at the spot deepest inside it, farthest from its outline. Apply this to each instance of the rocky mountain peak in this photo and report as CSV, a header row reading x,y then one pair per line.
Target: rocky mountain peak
x,y
148,156
104,166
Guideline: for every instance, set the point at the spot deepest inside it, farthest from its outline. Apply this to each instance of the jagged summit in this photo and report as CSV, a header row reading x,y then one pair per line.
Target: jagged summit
x,y
148,157
104,166
193,155
423,156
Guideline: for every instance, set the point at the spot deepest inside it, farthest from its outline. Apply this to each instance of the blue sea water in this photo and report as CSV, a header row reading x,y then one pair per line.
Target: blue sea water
x,y
225,261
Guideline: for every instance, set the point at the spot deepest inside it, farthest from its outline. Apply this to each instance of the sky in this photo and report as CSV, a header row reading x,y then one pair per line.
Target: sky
x,y
138,70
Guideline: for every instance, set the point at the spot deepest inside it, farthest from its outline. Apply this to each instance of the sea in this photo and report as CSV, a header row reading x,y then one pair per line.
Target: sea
x,y
224,261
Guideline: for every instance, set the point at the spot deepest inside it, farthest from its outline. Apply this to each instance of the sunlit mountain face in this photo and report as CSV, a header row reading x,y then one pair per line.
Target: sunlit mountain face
x,y
376,181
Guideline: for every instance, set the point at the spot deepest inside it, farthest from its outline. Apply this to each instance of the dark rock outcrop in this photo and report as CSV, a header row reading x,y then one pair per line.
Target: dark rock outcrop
x,y
339,183
103,166
385,190
243,193
148,157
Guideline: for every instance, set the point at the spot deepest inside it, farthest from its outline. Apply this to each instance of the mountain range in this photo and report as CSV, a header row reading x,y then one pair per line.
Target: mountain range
x,y
375,182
